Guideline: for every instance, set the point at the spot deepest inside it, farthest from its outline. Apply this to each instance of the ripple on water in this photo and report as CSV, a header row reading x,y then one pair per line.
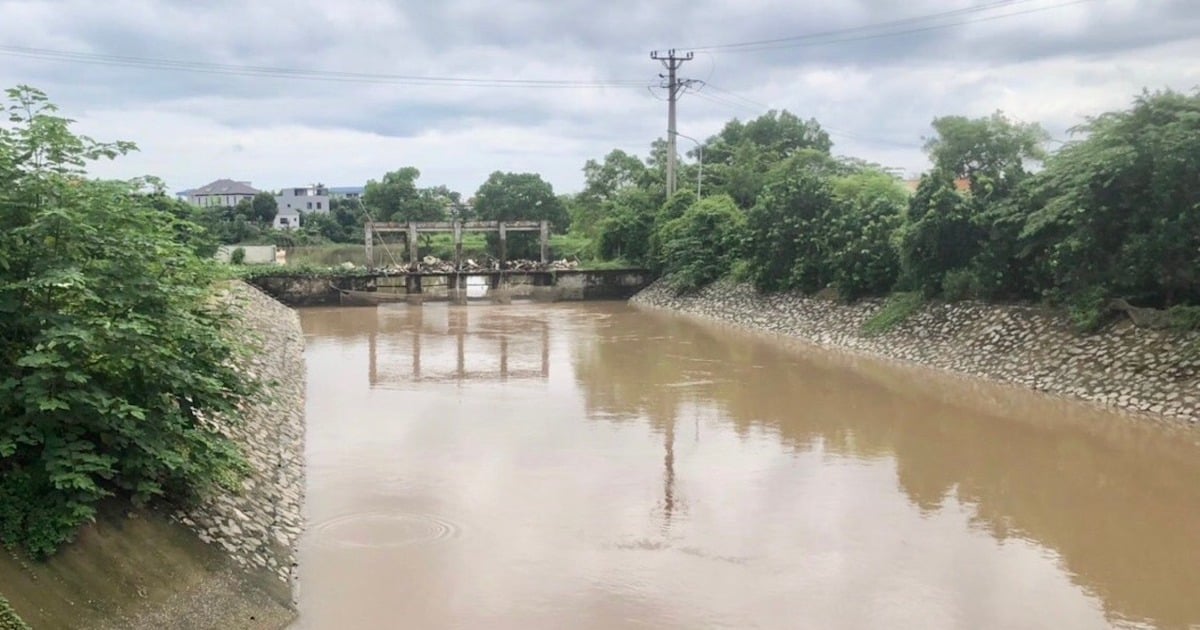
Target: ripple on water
x,y
383,530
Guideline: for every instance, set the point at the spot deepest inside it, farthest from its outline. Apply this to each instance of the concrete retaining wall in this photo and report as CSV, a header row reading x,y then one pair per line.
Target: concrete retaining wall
x,y
261,526
1138,370
255,254
562,285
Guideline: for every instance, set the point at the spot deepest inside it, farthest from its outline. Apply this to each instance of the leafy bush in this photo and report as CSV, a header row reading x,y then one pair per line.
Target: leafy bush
x,y
939,235
112,358
960,284
899,307
1088,309
9,619
1184,318
701,245
859,233
572,246
238,256
783,246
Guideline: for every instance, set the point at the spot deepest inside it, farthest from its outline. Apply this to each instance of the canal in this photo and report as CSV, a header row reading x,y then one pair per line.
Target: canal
x,y
590,465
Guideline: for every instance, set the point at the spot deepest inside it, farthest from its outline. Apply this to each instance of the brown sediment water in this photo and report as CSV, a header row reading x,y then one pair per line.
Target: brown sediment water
x,y
596,466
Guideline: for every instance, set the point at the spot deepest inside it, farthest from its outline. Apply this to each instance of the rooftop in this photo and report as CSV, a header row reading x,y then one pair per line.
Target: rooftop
x,y
225,187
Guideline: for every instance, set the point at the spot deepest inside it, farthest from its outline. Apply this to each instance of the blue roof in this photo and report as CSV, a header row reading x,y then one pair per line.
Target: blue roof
x,y
343,190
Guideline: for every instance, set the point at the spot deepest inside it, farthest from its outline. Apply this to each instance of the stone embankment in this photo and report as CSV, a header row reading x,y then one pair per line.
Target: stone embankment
x,y
260,526
1133,369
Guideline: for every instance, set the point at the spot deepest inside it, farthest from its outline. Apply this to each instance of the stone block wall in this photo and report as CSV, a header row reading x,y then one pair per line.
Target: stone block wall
x,y
260,526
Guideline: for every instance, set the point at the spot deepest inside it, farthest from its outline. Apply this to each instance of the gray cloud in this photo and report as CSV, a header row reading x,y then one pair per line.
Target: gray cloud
x,y
878,94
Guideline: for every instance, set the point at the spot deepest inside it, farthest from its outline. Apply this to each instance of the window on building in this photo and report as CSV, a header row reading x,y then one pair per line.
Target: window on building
x,y
310,205
318,205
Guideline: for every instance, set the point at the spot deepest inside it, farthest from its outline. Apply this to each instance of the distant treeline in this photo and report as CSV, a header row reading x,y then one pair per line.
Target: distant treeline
x,y
1114,213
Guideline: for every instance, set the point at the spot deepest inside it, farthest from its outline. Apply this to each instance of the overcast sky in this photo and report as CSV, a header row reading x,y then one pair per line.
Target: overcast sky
x,y
1049,63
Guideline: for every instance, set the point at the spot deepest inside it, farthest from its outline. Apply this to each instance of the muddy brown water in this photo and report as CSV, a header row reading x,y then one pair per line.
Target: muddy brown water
x,y
596,466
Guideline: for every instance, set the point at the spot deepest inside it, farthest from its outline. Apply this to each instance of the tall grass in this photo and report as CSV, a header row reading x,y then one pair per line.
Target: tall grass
x,y
899,307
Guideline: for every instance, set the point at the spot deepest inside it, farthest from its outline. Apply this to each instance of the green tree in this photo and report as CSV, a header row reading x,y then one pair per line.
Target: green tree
x,y
520,197
1116,213
603,181
939,235
738,160
701,245
397,198
264,208
628,224
870,209
990,152
113,363
785,243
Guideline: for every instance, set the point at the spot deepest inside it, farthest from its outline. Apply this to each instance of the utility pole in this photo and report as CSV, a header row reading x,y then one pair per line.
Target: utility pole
x,y
674,86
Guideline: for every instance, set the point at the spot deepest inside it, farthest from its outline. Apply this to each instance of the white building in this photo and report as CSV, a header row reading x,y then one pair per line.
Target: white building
x,y
221,193
290,202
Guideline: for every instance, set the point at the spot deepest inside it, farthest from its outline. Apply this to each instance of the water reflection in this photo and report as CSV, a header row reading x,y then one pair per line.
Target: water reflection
x,y
407,345
1118,502
670,474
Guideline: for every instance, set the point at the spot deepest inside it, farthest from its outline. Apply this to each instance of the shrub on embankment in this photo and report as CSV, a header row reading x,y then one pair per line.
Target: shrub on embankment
x,y
112,360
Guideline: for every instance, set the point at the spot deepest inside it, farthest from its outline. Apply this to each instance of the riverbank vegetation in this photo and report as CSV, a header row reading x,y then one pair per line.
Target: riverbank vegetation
x,y
113,364
1113,213
1005,214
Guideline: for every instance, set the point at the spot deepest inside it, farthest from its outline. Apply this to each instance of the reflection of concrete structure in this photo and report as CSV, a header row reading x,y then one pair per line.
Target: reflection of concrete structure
x,y
528,347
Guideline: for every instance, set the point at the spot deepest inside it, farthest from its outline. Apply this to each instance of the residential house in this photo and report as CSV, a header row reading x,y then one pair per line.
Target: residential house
x,y
291,202
346,192
221,193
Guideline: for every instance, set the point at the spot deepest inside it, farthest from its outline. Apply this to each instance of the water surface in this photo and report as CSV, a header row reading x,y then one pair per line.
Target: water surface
x,y
595,466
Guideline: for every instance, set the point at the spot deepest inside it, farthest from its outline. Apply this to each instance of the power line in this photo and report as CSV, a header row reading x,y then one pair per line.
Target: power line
x,y
739,97
760,108
873,26
730,103
302,74
817,39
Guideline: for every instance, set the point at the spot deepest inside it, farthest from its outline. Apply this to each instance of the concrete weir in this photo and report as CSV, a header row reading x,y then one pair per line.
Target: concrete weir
x,y
459,287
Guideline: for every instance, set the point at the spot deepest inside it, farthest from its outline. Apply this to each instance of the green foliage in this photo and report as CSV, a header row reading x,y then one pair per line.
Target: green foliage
x,y
1184,318
989,152
1088,309
263,208
520,197
572,246
898,308
8,617
701,246
302,270
784,247
238,255
738,160
603,182
859,231
442,246
1118,212
112,357
396,198
960,284
628,224
939,235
